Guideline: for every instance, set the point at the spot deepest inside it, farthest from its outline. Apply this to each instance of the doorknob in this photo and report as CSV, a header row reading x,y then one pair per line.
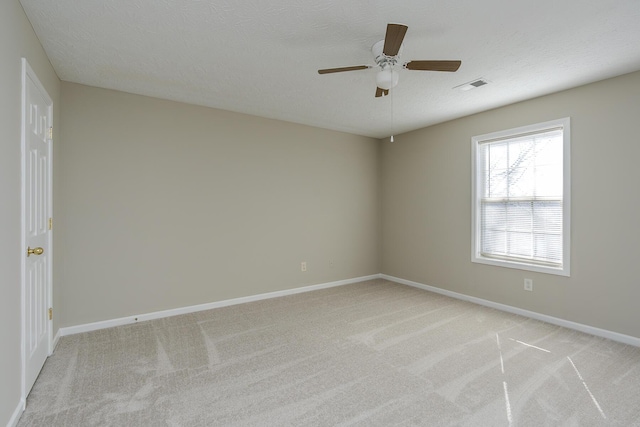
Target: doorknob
x,y
35,251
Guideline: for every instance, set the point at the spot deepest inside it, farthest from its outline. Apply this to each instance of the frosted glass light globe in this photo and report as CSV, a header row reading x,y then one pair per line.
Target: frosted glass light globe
x,y
387,78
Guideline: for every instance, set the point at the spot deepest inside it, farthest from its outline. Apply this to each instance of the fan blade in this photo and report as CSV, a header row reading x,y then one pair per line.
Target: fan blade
x,y
381,92
433,65
341,69
393,39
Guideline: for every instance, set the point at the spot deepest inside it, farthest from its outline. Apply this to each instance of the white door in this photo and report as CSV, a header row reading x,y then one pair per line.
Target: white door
x,y
36,198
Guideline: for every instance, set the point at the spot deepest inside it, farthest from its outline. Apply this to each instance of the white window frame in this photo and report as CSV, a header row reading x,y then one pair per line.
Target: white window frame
x,y
476,255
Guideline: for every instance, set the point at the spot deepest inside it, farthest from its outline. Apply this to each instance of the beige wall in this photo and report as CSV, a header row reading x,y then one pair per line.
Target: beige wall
x,y
169,205
159,205
426,214
17,40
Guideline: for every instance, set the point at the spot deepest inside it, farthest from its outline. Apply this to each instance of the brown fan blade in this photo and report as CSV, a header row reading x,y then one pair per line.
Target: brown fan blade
x,y
341,69
393,39
381,92
433,65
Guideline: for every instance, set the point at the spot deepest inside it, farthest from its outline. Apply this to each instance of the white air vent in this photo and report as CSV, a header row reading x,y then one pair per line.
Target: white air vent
x,y
473,84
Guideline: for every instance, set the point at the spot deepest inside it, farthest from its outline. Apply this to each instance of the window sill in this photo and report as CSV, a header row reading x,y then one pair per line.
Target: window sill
x,y
558,271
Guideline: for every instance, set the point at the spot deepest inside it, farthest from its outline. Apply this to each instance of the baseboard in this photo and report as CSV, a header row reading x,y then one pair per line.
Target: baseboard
x,y
56,339
13,421
200,307
614,336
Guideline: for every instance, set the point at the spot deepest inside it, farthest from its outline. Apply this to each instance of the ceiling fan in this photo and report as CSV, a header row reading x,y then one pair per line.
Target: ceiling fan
x,y
386,54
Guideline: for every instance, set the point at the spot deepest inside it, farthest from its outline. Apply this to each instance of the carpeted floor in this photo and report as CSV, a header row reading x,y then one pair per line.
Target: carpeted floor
x,y
373,353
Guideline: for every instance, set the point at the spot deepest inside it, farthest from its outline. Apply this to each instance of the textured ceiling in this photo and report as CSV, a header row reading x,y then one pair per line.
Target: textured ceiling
x,y
261,57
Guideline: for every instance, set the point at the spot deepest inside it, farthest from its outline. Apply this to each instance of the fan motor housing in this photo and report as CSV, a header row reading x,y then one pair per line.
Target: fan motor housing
x,y
380,58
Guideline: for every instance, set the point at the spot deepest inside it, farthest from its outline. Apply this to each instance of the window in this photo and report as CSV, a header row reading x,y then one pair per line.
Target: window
x,y
521,195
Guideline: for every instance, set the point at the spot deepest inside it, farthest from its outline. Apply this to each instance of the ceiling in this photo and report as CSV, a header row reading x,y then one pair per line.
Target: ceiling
x,y
261,57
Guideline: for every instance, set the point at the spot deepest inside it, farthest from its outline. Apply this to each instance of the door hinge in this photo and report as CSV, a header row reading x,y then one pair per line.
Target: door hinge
x,y
50,223
51,314
50,133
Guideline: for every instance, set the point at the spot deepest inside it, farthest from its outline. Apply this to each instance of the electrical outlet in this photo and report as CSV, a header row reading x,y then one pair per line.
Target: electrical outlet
x,y
528,285
303,266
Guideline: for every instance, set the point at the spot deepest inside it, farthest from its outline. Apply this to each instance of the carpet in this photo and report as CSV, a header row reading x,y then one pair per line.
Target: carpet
x,y
374,353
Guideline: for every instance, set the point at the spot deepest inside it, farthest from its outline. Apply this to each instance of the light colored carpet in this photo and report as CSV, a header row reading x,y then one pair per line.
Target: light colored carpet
x,y
373,353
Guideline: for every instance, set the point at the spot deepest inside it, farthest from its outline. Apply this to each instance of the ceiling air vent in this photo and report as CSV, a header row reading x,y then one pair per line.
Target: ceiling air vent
x,y
472,84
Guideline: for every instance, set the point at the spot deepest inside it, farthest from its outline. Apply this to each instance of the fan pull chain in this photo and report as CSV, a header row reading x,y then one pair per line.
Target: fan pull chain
x,y
391,99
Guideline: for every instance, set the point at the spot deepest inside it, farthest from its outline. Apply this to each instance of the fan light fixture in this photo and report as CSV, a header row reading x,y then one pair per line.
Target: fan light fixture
x,y
387,78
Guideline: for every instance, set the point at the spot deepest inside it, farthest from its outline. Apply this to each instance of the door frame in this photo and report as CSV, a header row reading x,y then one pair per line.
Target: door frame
x,y
27,72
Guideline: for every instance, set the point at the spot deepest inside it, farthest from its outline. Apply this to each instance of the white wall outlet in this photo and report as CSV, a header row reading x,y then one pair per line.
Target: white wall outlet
x,y
303,266
528,285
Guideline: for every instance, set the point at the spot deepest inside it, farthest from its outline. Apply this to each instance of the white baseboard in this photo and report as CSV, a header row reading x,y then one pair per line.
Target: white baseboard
x,y
56,339
13,421
614,336
200,307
